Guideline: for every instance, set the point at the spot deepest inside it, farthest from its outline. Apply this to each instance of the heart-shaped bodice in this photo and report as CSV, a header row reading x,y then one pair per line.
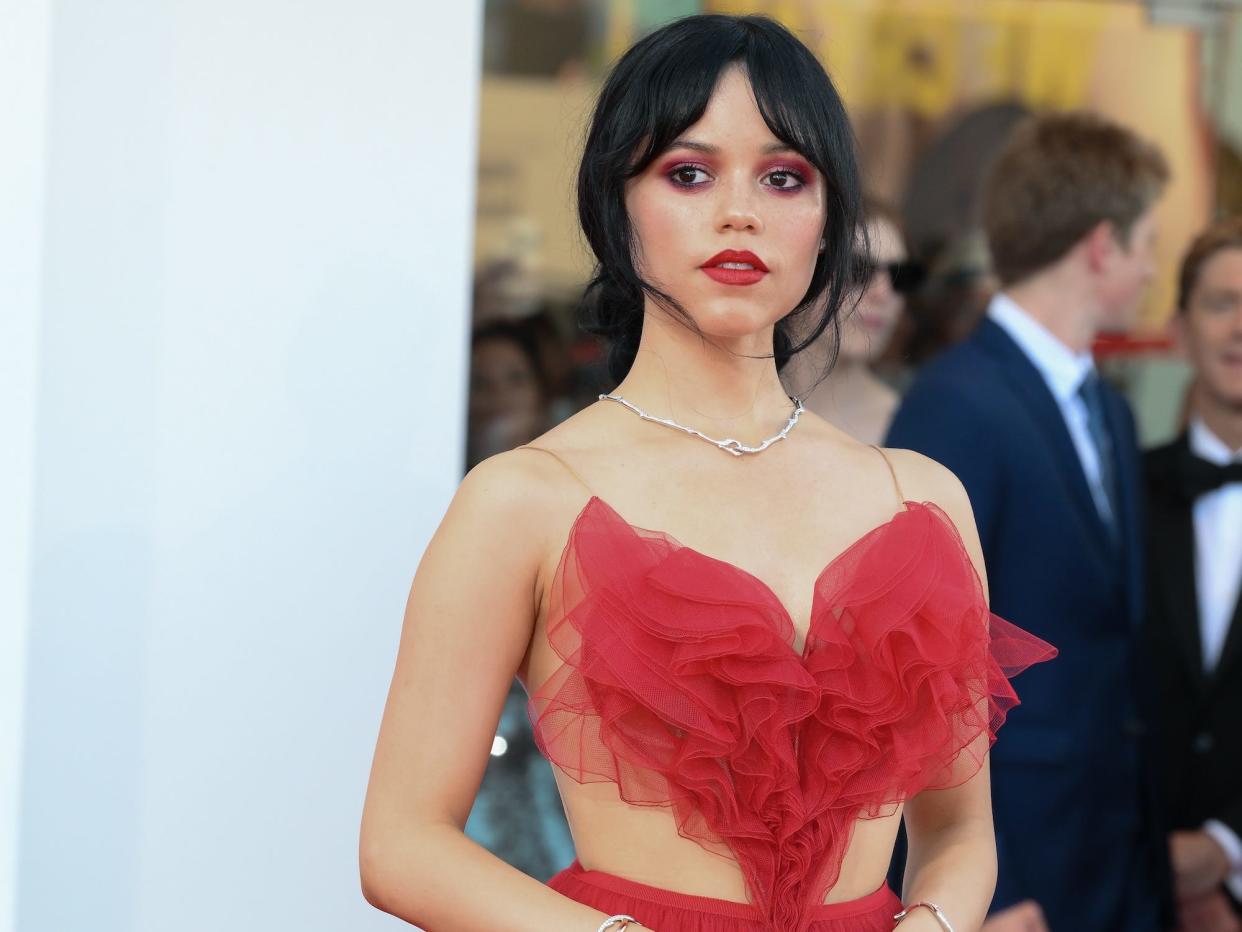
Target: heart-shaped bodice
x,y
680,682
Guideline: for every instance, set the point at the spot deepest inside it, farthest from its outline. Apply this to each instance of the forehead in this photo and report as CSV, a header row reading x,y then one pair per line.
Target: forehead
x,y
1222,269
732,118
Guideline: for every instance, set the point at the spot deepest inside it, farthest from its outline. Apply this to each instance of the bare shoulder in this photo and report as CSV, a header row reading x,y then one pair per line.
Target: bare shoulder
x,y
503,516
924,480
511,490
524,490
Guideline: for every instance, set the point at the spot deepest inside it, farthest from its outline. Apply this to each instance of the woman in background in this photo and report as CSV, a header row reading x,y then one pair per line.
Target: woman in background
x,y
517,384
853,397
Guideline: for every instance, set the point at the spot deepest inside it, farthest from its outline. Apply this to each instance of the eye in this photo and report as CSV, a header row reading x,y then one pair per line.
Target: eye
x,y
786,179
688,176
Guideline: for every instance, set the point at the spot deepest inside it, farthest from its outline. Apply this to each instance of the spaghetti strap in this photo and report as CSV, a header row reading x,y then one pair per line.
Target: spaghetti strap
x,y
560,459
901,498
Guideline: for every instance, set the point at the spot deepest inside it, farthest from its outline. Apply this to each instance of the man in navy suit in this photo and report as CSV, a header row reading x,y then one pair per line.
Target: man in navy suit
x,y
1048,454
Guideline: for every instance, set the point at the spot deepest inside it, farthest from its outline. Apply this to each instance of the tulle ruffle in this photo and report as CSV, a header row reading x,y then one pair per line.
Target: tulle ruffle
x,y
680,683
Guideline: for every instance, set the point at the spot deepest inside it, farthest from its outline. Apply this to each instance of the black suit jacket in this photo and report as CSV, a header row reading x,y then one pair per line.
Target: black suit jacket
x,y
1201,713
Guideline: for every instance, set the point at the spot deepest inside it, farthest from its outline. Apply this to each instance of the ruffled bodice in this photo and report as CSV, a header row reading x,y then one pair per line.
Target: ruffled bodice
x,y
681,684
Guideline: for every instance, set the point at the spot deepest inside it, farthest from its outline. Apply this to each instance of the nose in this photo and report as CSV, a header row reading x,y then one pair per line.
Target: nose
x,y
737,211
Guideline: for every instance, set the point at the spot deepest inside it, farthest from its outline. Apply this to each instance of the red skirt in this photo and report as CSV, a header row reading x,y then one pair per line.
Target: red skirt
x,y
669,911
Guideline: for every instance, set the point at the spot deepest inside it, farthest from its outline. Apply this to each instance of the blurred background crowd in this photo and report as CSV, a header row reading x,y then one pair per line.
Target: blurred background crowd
x,y
934,88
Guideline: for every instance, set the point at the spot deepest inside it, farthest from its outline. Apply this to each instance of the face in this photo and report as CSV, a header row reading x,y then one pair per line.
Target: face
x,y
728,220
1125,272
865,330
503,384
1210,327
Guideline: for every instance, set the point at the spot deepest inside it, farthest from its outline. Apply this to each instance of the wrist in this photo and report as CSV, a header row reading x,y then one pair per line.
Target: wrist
x,y
923,916
619,923
921,920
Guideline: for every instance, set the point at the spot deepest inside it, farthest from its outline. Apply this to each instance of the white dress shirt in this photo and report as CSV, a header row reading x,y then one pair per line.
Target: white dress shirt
x,y
1218,583
1218,546
1063,371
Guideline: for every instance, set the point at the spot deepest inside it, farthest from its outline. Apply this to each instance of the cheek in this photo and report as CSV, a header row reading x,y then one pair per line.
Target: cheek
x,y
804,223
1127,282
660,224
1199,340
884,304
1216,333
799,230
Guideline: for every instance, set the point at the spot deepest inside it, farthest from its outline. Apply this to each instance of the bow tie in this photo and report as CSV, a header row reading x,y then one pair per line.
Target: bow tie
x,y
1198,477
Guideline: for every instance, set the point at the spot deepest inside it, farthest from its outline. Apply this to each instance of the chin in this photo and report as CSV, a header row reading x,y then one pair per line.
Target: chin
x,y
734,319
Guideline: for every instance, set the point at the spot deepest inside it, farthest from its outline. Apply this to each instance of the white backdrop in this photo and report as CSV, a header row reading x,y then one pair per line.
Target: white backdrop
x,y
23,101
242,240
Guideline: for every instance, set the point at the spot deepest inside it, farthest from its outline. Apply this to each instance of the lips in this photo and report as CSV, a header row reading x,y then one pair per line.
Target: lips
x,y
735,267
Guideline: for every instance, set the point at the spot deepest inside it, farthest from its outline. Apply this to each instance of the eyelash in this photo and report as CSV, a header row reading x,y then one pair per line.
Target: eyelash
x,y
793,173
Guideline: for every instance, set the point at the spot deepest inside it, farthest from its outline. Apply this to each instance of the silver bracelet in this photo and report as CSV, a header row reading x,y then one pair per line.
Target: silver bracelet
x,y
611,921
940,917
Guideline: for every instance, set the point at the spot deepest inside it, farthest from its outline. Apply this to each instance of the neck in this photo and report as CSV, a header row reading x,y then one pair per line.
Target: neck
x,y
1062,304
727,386
1221,418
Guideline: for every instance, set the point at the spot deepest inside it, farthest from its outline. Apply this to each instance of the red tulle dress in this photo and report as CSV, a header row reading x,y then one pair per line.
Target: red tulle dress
x,y
682,684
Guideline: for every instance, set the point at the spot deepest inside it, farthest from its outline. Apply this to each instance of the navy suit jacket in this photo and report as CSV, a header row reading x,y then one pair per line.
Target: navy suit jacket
x,y
1073,793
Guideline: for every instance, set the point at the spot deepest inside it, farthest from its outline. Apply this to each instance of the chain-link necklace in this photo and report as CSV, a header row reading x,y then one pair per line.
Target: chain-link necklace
x,y
734,447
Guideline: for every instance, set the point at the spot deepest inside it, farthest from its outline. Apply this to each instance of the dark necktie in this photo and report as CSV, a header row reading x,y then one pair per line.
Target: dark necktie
x,y
1198,477
1092,395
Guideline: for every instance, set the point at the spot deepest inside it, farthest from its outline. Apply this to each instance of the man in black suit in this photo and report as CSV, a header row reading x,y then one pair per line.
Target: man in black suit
x,y
1195,574
1048,455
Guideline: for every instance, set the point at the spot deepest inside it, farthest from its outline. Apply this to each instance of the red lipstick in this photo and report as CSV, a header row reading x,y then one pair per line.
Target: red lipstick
x,y
734,267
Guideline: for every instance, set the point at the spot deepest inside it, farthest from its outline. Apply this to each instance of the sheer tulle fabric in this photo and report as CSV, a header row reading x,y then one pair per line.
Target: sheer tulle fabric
x,y
681,684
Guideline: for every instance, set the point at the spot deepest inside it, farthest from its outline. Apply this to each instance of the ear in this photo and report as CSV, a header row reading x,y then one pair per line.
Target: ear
x,y
1100,245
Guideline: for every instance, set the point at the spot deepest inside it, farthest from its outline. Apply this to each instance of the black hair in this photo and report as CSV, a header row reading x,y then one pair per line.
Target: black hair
x,y
661,87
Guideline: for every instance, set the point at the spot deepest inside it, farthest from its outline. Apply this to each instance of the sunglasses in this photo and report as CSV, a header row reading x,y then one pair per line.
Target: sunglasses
x,y
903,276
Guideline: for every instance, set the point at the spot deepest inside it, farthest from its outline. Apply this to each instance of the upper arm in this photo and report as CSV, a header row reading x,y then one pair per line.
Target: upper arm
x,y
468,622
923,479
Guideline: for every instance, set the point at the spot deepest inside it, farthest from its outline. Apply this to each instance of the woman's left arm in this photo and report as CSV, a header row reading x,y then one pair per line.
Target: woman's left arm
x,y
952,855
952,842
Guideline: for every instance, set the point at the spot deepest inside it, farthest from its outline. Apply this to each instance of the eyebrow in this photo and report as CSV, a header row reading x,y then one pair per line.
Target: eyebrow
x,y
708,149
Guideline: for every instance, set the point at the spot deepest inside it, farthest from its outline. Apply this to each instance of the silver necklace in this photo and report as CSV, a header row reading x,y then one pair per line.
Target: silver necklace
x,y
734,447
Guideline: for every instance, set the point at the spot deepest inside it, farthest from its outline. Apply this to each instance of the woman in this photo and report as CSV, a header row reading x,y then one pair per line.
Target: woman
x,y
736,735
853,397
509,391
